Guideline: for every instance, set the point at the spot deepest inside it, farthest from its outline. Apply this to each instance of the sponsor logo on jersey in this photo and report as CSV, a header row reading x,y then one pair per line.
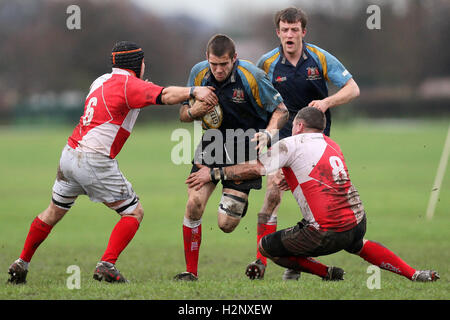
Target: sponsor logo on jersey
x,y
280,79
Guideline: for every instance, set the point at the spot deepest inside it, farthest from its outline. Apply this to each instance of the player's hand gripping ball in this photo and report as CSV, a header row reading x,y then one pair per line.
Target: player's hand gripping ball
x,y
212,119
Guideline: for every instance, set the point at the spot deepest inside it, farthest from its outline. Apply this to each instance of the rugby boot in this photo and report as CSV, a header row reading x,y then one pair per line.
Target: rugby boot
x,y
18,272
108,272
255,270
291,274
425,276
186,276
334,274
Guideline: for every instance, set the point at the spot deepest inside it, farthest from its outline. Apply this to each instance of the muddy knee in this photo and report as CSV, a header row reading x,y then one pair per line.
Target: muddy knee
x,y
231,210
227,224
194,208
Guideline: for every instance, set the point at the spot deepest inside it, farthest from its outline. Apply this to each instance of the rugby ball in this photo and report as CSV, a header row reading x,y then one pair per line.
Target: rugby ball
x,y
213,119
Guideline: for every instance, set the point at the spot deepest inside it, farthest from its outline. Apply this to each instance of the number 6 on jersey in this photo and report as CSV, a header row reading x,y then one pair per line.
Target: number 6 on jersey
x,y
89,112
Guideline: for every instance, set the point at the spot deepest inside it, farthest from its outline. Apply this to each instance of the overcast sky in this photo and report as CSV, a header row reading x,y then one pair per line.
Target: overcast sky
x,y
213,11
217,11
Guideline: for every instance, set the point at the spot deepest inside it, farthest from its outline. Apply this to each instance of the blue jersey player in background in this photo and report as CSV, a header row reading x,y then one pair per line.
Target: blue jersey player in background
x,y
300,72
251,109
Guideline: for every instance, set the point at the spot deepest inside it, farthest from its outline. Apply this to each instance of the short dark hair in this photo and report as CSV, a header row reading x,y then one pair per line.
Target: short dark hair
x,y
312,118
291,15
220,45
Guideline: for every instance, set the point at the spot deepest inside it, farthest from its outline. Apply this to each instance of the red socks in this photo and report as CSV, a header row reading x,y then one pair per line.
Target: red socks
x,y
262,230
121,235
192,238
309,265
384,258
39,230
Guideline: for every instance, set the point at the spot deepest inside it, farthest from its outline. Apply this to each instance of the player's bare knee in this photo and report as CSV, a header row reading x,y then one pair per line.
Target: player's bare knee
x,y
228,225
194,208
138,213
226,228
232,209
130,207
57,208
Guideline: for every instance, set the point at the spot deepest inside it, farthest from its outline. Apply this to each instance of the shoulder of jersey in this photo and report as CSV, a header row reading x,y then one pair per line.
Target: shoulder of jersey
x,y
198,72
291,140
202,65
268,58
310,45
247,66
315,50
99,81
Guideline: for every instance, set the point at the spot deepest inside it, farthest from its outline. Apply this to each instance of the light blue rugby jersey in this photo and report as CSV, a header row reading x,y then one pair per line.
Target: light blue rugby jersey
x,y
305,82
247,96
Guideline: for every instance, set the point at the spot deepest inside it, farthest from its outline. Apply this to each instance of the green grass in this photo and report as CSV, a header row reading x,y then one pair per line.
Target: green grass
x,y
393,165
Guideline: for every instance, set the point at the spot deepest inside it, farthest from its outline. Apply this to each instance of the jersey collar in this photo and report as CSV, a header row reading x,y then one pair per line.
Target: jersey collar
x,y
121,71
283,59
231,78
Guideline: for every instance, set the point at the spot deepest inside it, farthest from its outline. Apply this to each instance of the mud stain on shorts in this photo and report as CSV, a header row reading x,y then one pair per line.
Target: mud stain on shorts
x,y
59,175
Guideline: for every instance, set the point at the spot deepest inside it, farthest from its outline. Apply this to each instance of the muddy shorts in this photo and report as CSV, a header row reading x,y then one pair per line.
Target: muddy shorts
x,y
91,174
305,240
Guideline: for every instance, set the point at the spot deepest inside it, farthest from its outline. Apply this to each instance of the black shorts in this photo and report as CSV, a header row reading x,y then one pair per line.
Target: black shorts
x,y
243,186
305,240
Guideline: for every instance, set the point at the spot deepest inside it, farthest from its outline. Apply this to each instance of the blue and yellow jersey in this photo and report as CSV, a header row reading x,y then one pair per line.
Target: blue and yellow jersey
x,y
305,82
247,97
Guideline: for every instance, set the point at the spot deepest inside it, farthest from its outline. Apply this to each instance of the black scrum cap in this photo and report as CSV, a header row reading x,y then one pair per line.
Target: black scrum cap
x,y
127,55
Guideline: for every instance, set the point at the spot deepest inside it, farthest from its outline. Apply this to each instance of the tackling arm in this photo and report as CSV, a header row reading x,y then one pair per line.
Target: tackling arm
x,y
174,95
269,162
242,171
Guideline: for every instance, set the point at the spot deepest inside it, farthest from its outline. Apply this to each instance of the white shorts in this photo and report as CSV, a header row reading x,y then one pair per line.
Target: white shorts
x,y
94,175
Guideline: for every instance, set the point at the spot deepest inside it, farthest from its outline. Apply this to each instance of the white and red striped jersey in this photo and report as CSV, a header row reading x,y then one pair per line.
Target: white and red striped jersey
x,y
110,112
315,170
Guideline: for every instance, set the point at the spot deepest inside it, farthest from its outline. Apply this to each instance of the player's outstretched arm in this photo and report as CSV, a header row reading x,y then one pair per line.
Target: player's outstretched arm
x,y
244,171
278,157
174,95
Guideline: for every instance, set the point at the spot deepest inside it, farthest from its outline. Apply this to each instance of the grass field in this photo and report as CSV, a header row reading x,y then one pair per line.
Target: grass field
x,y
393,165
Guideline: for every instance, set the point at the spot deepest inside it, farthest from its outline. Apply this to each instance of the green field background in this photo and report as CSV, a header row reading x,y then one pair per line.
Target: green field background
x,y
392,163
